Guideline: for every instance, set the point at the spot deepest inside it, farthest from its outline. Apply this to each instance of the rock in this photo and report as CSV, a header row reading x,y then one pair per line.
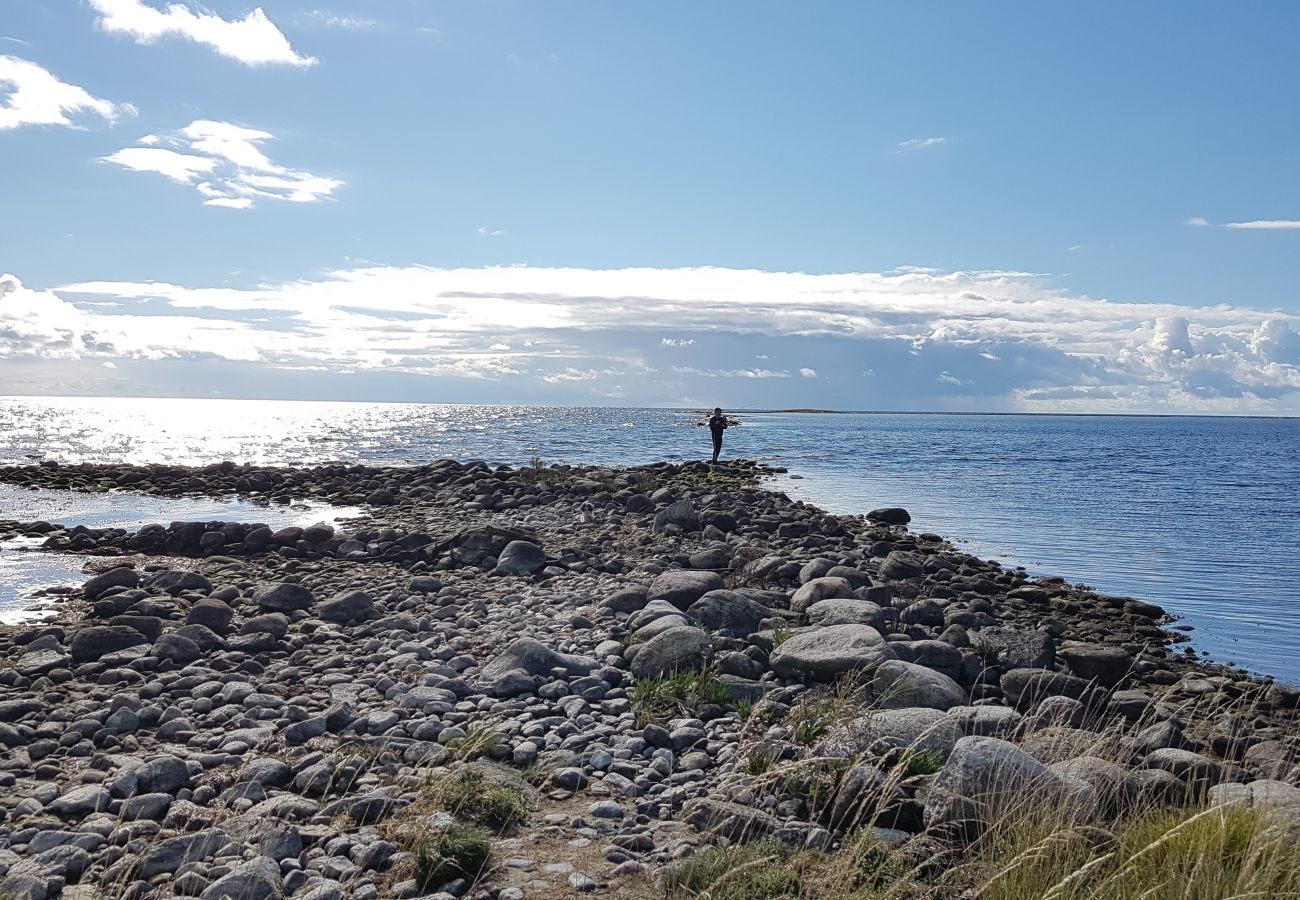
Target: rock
x,y
846,612
212,614
820,589
1015,649
983,778
274,624
521,558
937,655
536,658
283,597
1197,771
903,684
1025,688
900,565
175,581
1276,799
889,515
80,802
353,606
729,613
177,648
628,600
680,514
1271,759
424,584
122,576
1103,663
680,649
822,654
682,587
259,877
918,729
1111,781
163,774
732,821
91,643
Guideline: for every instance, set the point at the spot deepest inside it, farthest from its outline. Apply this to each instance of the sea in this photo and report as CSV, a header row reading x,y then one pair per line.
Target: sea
x,y
1197,514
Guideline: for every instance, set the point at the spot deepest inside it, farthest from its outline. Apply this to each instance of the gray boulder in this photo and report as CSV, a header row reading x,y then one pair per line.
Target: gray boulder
x,y
211,614
177,648
1026,688
679,649
168,855
822,654
681,514
1015,649
919,729
353,606
91,643
1102,663
522,558
122,576
937,655
840,611
983,779
283,597
536,658
682,587
903,684
889,515
259,877
728,613
900,565
820,589
734,821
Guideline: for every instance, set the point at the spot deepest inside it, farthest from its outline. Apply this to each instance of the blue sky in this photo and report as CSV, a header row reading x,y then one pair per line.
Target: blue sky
x,y
1046,207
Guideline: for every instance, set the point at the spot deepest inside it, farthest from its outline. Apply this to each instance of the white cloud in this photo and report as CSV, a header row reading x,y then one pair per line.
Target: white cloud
x,y
109,365
225,164
919,143
808,373
676,342
490,232
329,19
949,378
30,95
1197,221
253,40
1007,329
1266,225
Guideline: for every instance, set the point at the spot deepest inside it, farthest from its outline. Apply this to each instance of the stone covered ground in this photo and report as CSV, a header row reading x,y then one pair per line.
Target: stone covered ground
x,y
630,664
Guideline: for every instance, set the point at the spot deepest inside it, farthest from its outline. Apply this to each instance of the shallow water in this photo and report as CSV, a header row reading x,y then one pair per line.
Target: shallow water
x,y
1196,514
23,571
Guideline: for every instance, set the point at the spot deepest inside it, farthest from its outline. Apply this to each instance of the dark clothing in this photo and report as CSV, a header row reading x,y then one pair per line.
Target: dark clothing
x,y
717,425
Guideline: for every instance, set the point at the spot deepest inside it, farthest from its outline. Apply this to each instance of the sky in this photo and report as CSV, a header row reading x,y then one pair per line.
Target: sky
x,y
1011,206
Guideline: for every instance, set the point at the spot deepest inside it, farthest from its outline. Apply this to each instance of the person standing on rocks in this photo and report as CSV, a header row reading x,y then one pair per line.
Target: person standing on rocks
x,y
717,425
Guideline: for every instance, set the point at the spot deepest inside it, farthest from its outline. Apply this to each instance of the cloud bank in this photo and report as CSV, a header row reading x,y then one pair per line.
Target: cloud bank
x,y
975,340
253,40
30,95
226,165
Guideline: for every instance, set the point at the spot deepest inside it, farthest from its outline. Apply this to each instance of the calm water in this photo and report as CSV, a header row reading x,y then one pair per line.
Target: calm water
x,y
1197,514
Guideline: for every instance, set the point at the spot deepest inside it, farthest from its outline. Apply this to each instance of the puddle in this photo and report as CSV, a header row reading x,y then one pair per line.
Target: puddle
x,y
24,573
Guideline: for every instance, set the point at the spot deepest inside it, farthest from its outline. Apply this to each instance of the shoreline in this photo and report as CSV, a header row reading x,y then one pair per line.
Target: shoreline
x,y
533,626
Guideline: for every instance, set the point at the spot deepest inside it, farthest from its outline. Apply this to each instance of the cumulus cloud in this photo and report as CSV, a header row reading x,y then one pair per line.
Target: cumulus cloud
x,y
1006,332
920,143
253,40
1197,221
226,165
676,342
30,95
808,373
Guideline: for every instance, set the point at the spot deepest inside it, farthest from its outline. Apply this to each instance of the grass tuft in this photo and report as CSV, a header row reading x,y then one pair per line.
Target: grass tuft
x,y
764,870
681,693
461,851
468,795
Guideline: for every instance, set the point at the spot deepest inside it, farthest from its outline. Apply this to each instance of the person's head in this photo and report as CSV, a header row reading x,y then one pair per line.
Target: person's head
x,y
717,410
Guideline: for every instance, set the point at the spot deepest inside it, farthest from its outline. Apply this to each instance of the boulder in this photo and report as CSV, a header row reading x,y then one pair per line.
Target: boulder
x,y
889,515
903,684
522,558
122,576
536,658
177,648
1015,649
1025,688
840,611
682,648
823,654
680,514
937,655
728,613
283,597
353,606
900,565
682,587
820,589
1103,663
91,643
983,779
259,877
175,581
212,614
736,822
919,729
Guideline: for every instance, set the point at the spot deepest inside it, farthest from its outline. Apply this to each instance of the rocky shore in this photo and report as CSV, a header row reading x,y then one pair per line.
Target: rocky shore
x,y
609,670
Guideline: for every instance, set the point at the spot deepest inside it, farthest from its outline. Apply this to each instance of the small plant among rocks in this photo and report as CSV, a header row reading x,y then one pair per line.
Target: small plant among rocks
x,y
681,693
762,870
920,762
468,795
440,856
